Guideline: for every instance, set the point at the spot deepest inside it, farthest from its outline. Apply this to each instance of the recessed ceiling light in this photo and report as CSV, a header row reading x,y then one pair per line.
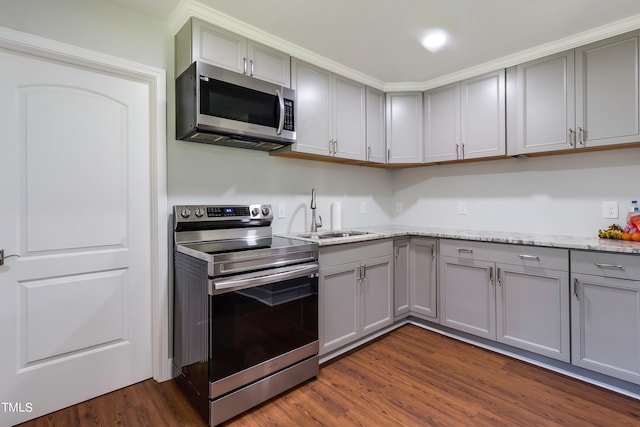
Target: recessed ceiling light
x,y
434,41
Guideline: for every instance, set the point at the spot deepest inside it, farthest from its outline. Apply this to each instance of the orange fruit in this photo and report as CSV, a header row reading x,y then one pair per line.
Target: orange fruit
x,y
635,237
626,236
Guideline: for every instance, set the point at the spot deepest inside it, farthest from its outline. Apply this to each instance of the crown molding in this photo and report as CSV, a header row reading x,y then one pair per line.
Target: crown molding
x,y
189,8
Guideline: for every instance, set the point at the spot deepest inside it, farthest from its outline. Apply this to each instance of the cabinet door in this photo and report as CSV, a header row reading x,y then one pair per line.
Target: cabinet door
x,y
376,146
376,287
533,309
339,301
442,123
312,108
423,278
545,104
468,296
607,97
401,278
268,64
349,119
404,127
483,116
605,326
219,47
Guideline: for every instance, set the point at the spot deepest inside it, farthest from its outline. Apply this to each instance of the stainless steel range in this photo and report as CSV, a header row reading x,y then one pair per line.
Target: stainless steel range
x,y
245,308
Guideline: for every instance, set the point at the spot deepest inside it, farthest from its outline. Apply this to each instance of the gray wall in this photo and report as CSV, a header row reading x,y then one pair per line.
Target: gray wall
x,y
559,194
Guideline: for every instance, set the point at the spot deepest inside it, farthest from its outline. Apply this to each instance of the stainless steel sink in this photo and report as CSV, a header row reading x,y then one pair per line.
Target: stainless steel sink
x,y
332,234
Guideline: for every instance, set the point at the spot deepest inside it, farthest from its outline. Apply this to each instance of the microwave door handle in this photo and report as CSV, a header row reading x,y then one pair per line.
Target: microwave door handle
x,y
281,104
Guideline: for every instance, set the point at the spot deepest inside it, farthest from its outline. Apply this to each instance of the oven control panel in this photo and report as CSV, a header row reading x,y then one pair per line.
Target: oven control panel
x,y
204,213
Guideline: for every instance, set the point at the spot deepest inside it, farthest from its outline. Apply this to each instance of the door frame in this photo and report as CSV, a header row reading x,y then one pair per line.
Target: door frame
x,y
155,78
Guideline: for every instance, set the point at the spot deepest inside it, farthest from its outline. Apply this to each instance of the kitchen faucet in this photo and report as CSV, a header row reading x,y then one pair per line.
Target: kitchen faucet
x,y
315,224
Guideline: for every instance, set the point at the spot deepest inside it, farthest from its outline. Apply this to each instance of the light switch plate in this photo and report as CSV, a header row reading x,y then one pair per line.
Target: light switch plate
x,y
462,208
363,207
282,211
399,207
610,210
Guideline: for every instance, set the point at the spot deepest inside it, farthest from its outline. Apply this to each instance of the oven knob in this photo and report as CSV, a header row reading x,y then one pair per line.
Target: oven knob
x,y
255,212
199,212
185,213
265,211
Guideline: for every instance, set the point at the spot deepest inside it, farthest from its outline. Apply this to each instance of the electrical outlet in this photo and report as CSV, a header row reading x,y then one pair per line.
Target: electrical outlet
x,y
462,208
363,207
610,210
282,211
399,207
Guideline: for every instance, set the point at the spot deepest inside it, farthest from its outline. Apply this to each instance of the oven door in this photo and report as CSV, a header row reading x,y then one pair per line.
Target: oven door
x,y
259,330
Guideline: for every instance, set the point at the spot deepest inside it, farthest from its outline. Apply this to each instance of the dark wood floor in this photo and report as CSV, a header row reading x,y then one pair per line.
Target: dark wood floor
x,y
410,377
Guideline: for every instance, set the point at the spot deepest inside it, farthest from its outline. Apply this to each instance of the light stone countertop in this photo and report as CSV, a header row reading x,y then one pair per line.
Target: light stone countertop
x,y
547,240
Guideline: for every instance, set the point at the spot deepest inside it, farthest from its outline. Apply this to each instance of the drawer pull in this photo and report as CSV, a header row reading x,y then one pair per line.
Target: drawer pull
x,y
616,266
529,257
465,251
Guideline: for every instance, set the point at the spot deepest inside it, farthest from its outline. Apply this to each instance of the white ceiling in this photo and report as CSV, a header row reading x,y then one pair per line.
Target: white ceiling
x,y
381,38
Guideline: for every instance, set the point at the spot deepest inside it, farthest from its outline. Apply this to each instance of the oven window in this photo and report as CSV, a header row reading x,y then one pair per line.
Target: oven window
x,y
253,325
229,101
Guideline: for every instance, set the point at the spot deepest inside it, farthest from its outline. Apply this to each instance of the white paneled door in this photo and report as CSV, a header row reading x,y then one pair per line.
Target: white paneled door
x,y
75,306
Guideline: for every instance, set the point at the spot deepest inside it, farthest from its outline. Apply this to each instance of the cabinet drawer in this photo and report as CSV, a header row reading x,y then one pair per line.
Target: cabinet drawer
x,y
529,256
620,266
354,252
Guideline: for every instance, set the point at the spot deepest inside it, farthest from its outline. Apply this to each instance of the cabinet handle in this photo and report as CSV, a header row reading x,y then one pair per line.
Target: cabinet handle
x,y
491,276
251,66
358,275
397,251
462,149
457,151
388,155
572,137
331,147
529,257
616,266
364,271
499,276
335,146
581,136
369,152
575,288
465,251
244,66
433,253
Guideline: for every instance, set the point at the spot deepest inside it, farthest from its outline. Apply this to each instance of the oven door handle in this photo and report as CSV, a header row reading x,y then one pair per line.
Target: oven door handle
x,y
218,286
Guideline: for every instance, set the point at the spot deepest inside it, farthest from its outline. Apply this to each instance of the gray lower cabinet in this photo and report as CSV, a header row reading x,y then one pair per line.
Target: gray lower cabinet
x,y
516,295
401,279
605,310
423,285
355,292
415,283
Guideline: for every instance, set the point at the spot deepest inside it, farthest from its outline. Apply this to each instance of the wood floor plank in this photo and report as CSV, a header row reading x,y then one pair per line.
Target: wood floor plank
x,y
410,377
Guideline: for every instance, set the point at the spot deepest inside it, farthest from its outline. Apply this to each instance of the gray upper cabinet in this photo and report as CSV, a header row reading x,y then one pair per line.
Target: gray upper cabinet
x,y
483,116
198,40
545,104
466,120
607,93
376,145
583,98
404,127
330,113
442,124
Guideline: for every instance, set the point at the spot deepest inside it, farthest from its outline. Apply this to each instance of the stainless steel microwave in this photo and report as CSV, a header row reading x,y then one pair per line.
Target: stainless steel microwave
x,y
218,106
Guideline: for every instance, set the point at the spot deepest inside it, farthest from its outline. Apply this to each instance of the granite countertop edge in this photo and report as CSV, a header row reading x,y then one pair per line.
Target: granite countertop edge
x,y
529,239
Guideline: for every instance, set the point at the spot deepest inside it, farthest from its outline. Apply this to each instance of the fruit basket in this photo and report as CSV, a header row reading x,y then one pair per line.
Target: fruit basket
x,y
630,232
